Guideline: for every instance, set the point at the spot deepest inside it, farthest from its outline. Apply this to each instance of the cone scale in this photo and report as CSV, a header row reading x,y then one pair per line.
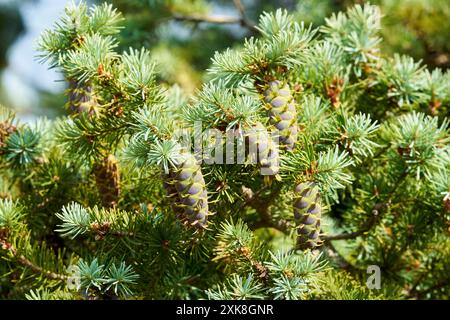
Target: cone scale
x,y
186,188
307,215
172,193
263,150
282,112
80,98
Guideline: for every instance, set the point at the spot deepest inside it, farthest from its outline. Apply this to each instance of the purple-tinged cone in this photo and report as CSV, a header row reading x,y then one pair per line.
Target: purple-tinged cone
x,y
172,193
282,112
263,150
186,188
80,98
307,214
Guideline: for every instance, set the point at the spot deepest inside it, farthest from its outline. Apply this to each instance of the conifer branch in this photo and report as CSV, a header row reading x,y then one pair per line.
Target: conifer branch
x,y
352,131
262,207
351,235
219,19
21,259
421,293
338,258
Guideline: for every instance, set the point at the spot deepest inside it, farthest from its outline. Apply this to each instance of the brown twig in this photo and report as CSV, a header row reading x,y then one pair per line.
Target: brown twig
x,y
103,228
262,206
219,19
351,235
374,218
240,7
266,222
331,251
21,259
244,18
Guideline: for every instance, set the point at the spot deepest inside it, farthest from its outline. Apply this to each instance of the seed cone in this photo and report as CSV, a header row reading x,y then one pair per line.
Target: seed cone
x,y
6,129
80,98
307,214
187,189
282,112
107,177
262,149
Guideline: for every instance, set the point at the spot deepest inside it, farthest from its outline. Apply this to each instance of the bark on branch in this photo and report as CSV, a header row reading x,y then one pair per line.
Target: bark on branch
x,y
21,259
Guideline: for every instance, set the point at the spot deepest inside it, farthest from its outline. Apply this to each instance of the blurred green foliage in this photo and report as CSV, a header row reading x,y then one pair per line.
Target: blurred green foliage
x,y
11,26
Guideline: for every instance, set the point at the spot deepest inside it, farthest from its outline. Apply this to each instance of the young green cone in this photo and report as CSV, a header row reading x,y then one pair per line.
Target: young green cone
x,y
80,98
282,112
191,193
263,150
307,213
